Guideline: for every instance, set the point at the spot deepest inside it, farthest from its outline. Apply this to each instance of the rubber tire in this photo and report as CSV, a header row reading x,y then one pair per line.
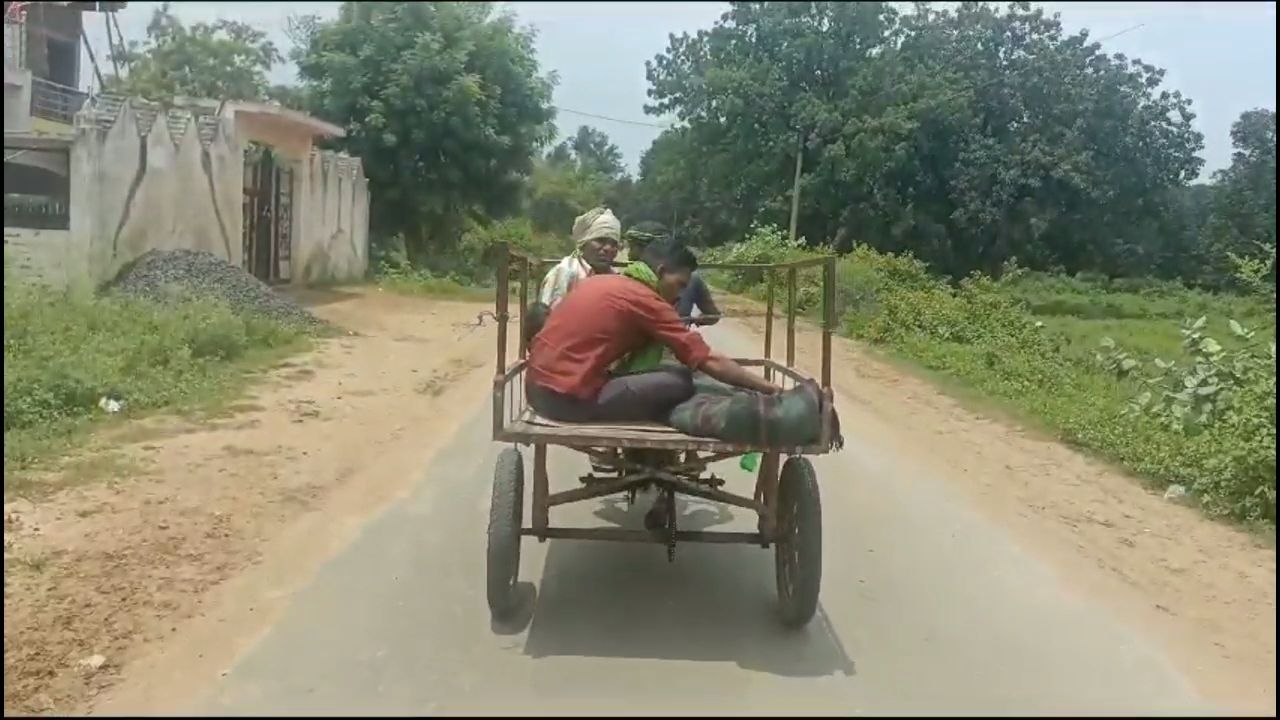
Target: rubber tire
x,y
506,512
798,548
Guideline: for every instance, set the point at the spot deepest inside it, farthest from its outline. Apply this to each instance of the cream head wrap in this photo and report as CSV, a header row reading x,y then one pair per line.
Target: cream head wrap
x,y
596,223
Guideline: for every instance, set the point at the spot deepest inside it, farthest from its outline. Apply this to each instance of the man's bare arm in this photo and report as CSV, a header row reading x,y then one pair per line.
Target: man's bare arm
x,y
726,370
710,314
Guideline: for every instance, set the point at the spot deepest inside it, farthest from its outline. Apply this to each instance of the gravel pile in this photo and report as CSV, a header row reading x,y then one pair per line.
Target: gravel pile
x,y
162,275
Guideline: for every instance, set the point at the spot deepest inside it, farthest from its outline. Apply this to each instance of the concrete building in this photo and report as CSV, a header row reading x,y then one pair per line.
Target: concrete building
x,y
97,181
42,63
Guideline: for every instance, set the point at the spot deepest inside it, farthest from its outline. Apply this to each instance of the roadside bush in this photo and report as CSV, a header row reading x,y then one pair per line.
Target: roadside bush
x,y
1223,402
63,354
864,276
471,263
763,244
1206,421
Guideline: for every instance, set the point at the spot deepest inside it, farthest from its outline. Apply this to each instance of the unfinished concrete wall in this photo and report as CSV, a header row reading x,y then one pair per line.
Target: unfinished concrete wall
x,y
145,178
55,258
331,219
17,100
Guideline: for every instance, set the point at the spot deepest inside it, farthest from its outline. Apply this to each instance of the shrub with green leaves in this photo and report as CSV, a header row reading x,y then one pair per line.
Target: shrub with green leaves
x,y
471,263
764,244
1223,402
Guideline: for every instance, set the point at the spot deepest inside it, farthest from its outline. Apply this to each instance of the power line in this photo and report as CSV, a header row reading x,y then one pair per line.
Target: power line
x,y
614,119
1122,32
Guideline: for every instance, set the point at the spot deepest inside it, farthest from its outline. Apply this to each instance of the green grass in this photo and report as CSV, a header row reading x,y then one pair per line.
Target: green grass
x,y
64,352
1145,337
1141,316
424,284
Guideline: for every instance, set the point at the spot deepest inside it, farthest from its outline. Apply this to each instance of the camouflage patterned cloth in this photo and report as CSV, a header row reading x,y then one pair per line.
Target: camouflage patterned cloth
x,y
790,419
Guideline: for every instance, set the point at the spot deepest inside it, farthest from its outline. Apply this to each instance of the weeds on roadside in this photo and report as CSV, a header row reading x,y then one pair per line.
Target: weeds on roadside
x,y
409,281
71,360
464,271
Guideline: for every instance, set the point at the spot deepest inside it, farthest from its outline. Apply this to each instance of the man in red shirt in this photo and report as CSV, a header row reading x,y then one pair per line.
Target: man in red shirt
x,y
608,317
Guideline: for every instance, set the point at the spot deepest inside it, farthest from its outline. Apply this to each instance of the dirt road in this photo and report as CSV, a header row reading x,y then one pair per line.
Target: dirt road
x,y
959,577
969,567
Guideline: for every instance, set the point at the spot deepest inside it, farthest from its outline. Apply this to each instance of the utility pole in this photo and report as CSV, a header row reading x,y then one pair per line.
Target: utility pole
x,y
795,187
115,21
93,60
112,53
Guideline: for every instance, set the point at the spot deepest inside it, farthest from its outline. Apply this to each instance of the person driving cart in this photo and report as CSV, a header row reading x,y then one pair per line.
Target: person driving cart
x,y
625,320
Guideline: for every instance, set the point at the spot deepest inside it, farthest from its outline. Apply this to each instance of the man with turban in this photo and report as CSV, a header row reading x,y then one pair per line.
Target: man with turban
x,y
596,235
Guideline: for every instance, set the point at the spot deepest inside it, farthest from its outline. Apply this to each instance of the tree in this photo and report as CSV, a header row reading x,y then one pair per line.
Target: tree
x,y
1242,223
592,151
968,137
1177,250
579,173
752,88
443,101
679,187
290,96
223,60
558,192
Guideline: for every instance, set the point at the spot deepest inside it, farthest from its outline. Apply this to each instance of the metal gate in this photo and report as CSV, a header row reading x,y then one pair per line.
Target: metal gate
x,y
268,214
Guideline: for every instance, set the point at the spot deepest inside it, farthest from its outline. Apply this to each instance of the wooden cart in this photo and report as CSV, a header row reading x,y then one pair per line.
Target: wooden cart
x,y
786,497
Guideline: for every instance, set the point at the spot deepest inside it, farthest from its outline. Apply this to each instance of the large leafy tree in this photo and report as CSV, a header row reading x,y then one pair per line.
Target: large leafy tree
x,y
558,192
1242,223
968,137
750,90
676,188
579,173
445,103
223,60
591,151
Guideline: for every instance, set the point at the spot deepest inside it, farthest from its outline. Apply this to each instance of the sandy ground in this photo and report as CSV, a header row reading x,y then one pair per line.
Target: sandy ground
x,y
293,557
1207,591
175,508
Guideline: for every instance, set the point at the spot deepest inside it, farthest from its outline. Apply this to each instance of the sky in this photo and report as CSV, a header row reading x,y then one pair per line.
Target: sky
x,y
1221,55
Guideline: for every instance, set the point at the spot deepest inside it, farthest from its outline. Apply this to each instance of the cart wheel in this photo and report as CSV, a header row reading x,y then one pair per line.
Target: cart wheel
x,y
506,511
798,548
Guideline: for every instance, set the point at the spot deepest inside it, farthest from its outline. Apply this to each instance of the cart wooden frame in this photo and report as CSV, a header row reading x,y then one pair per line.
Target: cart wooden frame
x,y
786,498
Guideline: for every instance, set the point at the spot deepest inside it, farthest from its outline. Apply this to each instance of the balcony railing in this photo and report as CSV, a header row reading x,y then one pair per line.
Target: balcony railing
x,y
51,101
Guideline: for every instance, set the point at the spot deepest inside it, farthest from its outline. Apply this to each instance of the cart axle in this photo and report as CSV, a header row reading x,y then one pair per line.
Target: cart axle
x,y
660,536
